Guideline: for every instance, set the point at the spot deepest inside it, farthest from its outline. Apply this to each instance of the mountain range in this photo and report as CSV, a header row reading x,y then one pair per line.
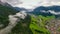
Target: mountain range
x,y
22,26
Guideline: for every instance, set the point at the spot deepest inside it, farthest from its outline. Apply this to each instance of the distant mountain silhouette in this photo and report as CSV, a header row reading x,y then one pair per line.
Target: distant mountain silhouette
x,y
20,9
38,10
55,8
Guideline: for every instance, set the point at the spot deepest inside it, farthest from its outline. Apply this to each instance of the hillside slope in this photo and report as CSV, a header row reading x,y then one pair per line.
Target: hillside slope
x,y
4,12
21,28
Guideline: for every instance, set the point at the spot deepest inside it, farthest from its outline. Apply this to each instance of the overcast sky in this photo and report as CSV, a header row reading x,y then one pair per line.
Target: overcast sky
x,y
31,4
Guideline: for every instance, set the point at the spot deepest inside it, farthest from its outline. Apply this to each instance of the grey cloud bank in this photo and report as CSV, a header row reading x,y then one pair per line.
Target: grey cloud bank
x,y
31,4
13,20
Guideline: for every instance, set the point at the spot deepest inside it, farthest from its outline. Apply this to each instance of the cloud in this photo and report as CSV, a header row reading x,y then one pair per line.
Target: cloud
x,y
31,4
51,11
13,20
55,13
